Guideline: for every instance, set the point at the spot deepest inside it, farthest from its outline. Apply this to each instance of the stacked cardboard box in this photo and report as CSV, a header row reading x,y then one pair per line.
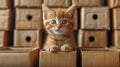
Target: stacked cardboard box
x,y
95,21
116,27
27,33
92,36
6,22
59,59
115,10
28,23
28,29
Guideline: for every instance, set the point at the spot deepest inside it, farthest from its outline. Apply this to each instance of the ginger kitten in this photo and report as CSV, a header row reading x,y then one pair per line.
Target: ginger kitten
x,y
59,26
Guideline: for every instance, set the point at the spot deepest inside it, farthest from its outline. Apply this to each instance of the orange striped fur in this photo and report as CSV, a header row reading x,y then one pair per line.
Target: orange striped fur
x,y
59,26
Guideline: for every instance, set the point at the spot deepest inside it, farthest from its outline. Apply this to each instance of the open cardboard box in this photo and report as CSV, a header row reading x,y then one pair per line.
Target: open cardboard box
x,y
19,57
59,59
100,57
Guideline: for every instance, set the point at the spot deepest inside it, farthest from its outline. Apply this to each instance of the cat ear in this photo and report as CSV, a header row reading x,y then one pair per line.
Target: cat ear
x,y
45,11
71,10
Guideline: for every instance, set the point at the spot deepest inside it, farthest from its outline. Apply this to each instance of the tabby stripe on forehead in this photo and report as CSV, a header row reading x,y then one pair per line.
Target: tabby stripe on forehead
x,y
59,14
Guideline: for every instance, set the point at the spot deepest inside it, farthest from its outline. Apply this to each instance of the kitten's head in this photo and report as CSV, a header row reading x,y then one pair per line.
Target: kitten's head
x,y
58,22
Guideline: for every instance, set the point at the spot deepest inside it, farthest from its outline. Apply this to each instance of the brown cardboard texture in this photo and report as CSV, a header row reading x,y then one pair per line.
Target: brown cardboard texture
x,y
28,3
113,3
95,18
100,58
19,57
57,3
60,59
6,19
27,38
6,38
84,3
116,20
93,39
116,38
28,19
6,4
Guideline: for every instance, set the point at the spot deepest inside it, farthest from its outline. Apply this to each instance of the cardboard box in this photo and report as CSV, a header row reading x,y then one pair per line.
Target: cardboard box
x,y
113,3
6,38
93,39
83,3
116,38
28,18
27,38
75,18
57,3
28,3
6,4
18,57
95,18
6,19
60,59
116,19
100,58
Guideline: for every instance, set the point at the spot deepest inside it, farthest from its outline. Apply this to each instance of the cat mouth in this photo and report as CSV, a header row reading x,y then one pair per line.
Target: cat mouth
x,y
58,30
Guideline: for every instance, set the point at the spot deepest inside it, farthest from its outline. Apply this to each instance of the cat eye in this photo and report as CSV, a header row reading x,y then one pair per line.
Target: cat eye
x,y
53,21
64,21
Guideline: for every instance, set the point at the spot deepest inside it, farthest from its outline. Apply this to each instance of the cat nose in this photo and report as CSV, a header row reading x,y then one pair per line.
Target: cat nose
x,y
59,26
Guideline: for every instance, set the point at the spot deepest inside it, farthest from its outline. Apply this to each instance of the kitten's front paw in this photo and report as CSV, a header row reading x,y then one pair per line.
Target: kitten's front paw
x,y
52,48
66,48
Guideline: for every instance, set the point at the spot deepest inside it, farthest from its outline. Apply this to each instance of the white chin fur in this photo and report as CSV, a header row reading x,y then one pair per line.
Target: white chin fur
x,y
57,32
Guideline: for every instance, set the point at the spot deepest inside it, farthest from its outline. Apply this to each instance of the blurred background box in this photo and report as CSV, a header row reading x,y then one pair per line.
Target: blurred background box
x,y
116,38
6,4
57,3
84,3
95,18
27,38
6,38
113,3
28,19
92,39
6,19
28,3
116,18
